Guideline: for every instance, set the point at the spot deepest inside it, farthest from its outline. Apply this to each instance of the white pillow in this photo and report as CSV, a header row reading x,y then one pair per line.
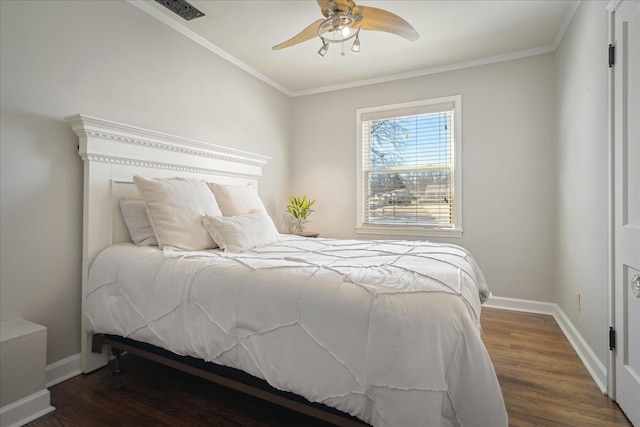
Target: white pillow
x,y
239,233
175,207
135,217
235,200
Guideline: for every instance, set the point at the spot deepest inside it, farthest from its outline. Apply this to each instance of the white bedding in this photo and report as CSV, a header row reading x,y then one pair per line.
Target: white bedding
x,y
387,331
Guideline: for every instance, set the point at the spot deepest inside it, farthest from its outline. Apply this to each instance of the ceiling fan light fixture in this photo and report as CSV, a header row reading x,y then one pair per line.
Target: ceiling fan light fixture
x,y
356,44
343,21
323,50
337,28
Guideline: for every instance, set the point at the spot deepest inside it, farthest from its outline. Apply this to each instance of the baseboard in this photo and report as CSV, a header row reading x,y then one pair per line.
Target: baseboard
x,y
34,406
25,410
63,370
527,306
596,368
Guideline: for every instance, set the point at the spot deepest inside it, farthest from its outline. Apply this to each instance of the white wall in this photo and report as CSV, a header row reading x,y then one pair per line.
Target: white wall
x,y
581,81
508,155
111,60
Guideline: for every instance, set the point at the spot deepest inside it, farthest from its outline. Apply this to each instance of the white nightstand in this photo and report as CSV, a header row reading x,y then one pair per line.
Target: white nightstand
x,y
23,392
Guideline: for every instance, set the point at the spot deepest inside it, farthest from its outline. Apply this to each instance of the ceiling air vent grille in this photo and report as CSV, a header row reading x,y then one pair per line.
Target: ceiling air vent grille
x,y
181,8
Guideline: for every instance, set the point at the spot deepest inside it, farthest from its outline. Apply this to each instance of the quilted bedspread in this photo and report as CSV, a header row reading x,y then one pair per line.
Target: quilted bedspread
x,y
387,331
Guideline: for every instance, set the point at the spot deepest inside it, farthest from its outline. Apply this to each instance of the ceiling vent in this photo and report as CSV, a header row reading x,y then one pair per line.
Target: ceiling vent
x,y
181,8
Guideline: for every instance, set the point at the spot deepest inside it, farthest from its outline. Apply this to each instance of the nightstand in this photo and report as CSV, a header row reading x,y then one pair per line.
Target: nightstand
x,y
23,391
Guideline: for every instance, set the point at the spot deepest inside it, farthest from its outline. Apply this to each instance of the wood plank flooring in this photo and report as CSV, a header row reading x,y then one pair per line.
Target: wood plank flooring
x,y
542,379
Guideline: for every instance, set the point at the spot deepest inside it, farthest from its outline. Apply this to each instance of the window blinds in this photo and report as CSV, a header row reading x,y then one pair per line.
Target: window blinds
x,y
408,166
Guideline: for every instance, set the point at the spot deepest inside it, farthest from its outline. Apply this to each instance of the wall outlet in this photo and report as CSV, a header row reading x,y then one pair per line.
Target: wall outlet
x,y
578,301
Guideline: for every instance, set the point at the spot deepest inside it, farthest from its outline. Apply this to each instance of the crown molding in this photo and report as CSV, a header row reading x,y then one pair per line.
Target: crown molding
x,y
565,23
87,126
428,71
167,166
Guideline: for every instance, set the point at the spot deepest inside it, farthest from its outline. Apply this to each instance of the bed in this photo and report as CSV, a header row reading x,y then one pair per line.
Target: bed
x,y
385,332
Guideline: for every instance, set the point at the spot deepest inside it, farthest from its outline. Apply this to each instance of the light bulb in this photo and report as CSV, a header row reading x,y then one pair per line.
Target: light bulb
x,y
356,45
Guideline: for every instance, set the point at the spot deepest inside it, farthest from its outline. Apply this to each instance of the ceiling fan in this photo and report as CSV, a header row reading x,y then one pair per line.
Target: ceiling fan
x,y
343,21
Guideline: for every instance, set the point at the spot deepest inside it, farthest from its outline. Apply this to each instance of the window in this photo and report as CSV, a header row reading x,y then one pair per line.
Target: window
x,y
409,179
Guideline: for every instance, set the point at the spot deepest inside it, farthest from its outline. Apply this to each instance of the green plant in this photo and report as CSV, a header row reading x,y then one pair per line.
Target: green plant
x,y
300,207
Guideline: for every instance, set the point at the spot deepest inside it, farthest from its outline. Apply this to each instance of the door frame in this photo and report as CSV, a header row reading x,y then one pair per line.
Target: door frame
x,y
612,6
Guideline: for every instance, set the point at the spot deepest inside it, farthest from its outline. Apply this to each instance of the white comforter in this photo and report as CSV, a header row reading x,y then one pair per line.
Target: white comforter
x,y
387,331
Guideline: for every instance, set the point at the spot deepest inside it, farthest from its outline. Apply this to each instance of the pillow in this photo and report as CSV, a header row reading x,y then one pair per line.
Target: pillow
x,y
175,207
137,221
235,200
239,233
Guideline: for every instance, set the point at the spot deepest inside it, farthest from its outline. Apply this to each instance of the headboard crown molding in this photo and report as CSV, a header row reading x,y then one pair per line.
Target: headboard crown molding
x,y
92,127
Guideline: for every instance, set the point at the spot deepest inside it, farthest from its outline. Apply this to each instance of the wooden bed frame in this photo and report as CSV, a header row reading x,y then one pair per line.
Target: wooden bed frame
x,y
113,153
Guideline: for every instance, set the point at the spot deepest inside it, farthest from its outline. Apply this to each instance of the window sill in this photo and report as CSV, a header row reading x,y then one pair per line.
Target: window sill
x,y
417,231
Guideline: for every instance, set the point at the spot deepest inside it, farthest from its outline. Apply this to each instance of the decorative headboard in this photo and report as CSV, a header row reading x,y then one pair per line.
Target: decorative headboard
x,y
113,153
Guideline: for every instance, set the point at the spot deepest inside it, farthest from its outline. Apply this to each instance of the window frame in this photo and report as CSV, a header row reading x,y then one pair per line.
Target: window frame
x,y
413,230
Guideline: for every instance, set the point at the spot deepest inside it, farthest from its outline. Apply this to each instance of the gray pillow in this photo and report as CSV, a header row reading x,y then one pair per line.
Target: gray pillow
x,y
135,216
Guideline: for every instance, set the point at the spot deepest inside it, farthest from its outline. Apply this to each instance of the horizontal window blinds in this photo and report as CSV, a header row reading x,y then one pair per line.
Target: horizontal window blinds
x,y
408,111
408,161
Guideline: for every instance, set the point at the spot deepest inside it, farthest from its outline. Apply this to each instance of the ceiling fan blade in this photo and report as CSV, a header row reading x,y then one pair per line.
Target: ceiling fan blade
x,y
381,20
324,7
307,34
341,5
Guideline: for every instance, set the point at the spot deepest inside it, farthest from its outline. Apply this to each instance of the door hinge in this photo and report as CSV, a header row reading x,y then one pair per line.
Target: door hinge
x,y
612,338
612,55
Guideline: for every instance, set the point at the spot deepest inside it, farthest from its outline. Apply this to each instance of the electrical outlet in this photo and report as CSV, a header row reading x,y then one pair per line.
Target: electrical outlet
x,y
578,301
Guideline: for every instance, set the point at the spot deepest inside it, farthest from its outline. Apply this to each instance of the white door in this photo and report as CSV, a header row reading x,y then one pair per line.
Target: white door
x,y
626,175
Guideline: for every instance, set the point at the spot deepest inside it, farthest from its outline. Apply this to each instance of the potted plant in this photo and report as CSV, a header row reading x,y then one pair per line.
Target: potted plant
x,y
298,210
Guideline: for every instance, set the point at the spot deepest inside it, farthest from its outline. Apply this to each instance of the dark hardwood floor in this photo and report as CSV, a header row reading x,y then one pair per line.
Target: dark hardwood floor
x,y
543,383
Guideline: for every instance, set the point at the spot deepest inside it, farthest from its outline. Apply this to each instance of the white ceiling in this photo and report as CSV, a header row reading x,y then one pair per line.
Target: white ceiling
x,y
453,34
